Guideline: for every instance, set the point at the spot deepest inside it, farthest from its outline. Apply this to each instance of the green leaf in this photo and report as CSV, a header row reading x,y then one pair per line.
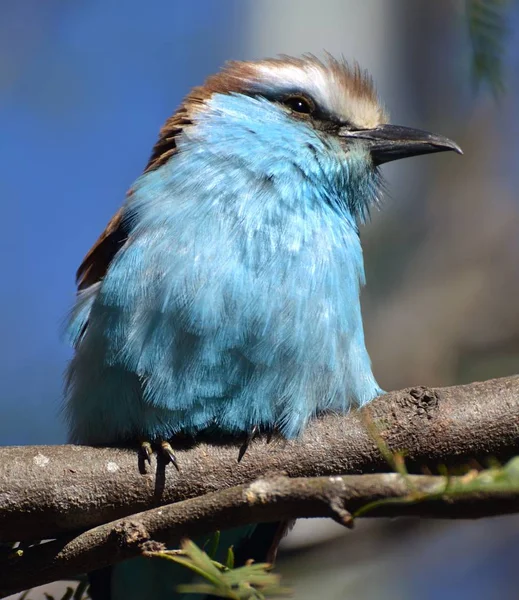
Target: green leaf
x,y
229,561
494,480
215,542
488,31
250,582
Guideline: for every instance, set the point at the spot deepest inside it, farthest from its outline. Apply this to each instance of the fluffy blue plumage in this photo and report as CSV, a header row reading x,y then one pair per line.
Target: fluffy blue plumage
x,y
235,300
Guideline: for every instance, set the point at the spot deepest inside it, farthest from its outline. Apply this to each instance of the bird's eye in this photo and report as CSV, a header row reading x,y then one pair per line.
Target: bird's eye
x,y
300,104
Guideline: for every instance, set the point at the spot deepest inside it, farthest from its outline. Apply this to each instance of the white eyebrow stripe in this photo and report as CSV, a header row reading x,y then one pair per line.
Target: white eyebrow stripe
x,y
328,91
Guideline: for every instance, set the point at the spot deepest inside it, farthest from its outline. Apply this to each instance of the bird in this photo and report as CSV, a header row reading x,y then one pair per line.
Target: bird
x,y
223,298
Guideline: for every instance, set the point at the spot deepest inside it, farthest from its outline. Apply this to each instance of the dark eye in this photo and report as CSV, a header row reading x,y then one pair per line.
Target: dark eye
x,y
300,104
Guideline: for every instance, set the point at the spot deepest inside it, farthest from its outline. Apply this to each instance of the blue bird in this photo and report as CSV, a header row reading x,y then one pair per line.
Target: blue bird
x,y
223,297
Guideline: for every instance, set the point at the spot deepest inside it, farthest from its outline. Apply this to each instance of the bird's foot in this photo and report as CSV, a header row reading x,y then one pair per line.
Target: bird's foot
x,y
244,447
166,450
146,451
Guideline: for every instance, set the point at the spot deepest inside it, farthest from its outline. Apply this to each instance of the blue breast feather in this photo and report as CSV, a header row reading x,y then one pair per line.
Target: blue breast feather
x,y
235,300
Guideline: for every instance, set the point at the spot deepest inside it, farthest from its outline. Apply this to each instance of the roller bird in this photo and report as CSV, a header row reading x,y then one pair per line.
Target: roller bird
x,y
222,299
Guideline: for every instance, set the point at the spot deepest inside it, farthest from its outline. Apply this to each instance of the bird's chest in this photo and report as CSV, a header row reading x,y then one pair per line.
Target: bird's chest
x,y
230,320
247,280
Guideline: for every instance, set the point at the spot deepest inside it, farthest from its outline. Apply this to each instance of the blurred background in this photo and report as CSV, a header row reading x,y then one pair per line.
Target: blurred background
x,y
84,88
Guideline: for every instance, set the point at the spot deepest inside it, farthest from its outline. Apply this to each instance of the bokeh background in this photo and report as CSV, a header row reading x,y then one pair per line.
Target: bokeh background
x,y
84,88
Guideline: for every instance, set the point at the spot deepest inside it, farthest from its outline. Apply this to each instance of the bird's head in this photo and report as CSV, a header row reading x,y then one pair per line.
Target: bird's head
x,y
321,117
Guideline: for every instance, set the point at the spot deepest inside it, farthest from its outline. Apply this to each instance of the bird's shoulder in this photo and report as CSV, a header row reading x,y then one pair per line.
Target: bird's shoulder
x,y
96,262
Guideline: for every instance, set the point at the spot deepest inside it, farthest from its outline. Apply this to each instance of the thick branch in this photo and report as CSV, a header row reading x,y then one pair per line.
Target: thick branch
x,y
48,491
264,500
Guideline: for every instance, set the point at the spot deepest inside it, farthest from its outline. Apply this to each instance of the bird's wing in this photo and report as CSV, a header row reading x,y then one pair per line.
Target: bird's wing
x,y
96,262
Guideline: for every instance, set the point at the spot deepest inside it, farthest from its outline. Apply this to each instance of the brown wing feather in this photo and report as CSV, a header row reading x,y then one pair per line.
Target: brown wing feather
x,y
233,78
96,262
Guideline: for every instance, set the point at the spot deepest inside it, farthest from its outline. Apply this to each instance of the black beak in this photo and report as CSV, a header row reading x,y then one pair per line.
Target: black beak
x,y
391,142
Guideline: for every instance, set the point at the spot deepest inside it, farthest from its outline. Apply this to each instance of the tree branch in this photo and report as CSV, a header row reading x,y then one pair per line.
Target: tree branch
x,y
47,491
268,499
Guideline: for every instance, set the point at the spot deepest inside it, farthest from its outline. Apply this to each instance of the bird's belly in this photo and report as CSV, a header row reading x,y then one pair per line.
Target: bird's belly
x,y
216,345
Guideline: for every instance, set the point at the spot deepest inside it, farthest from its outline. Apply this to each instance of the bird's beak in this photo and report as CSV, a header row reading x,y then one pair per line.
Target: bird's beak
x,y
391,142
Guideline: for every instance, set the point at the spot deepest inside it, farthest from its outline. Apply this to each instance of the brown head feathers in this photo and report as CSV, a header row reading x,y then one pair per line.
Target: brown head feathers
x,y
344,92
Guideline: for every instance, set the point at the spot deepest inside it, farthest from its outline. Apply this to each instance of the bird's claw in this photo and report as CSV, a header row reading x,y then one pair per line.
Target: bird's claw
x,y
167,450
146,451
244,447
